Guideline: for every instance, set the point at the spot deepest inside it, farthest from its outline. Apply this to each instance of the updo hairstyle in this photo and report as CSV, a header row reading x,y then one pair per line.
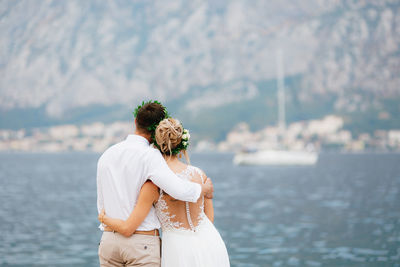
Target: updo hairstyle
x,y
169,135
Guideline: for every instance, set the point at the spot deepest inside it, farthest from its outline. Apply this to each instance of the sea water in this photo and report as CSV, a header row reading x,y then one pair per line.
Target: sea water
x,y
344,211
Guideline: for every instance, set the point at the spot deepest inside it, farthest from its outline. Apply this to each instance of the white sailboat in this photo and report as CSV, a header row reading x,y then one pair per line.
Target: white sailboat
x,y
276,157
283,156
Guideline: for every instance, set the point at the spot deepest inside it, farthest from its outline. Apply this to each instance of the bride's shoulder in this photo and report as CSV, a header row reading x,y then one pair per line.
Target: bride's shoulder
x,y
198,171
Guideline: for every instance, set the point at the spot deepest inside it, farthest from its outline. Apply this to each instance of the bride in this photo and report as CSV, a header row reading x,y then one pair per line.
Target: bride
x,y
189,238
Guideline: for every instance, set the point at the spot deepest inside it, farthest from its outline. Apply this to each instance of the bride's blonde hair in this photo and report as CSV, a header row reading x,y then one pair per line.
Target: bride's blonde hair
x,y
169,135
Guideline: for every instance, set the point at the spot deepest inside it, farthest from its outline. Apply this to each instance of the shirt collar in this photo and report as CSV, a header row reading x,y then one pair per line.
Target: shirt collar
x,y
137,138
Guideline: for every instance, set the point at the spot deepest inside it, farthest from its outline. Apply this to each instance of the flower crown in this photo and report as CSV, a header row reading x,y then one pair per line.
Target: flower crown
x,y
152,129
183,145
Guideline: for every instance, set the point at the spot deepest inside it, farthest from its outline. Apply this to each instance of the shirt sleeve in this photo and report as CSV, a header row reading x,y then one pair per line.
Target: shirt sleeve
x,y
100,198
162,176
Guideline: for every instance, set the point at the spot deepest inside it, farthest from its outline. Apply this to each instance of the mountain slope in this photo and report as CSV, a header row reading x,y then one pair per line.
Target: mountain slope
x,y
78,61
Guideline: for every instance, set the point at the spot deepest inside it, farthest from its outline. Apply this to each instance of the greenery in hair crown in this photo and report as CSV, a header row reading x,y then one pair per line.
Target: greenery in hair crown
x,y
135,112
183,145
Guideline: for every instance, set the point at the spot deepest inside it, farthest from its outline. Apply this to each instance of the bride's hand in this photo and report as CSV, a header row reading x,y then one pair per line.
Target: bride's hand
x,y
101,216
209,188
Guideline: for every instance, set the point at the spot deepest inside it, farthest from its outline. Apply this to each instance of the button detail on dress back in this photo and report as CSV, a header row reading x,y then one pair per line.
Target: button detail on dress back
x,y
164,213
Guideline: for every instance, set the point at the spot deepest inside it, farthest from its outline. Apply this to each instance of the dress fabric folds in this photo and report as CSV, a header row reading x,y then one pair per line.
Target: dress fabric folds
x,y
189,238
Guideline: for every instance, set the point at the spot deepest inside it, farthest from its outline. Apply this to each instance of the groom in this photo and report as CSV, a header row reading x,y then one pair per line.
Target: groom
x,y
121,172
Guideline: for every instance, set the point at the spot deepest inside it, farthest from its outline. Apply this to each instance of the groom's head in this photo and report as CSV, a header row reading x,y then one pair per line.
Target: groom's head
x,y
149,114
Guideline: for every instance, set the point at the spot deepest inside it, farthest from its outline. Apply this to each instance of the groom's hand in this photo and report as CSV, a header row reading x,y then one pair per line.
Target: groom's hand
x,y
101,215
208,188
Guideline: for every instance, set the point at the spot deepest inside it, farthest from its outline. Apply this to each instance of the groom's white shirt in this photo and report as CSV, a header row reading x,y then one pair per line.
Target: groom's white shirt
x,y
124,168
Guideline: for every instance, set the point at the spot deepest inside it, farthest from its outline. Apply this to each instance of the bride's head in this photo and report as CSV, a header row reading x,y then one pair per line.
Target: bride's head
x,y
171,138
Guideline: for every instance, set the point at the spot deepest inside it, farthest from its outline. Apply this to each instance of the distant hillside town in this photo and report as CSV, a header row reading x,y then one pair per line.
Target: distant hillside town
x,y
326,134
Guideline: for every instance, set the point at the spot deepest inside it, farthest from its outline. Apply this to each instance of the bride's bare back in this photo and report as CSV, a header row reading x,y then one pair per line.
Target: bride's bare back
x,y
175,214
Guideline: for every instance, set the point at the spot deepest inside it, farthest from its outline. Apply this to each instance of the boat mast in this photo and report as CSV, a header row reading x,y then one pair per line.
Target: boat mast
x,y
281,92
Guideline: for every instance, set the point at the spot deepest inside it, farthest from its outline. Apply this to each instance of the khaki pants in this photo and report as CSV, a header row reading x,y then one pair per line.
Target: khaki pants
x,y
136,250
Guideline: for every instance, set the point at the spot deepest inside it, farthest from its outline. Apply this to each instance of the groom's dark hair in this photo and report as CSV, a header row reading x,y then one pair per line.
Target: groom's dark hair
x,y
149,114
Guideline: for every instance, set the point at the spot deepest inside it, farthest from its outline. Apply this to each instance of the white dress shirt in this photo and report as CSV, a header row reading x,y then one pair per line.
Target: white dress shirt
x,y
124,168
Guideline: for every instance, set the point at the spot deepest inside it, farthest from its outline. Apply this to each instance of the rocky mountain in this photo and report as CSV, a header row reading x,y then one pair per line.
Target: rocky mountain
x,y
58,58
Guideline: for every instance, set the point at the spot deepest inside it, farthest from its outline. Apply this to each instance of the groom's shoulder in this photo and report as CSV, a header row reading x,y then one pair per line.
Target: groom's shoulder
x,y
111,150
151,154
115,147
152,151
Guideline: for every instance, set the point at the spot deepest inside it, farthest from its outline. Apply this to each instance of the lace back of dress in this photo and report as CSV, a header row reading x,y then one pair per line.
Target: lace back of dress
x,y
174,214
195,207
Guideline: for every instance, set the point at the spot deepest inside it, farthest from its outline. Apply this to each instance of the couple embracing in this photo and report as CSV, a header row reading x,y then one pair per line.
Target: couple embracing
x,y
142,186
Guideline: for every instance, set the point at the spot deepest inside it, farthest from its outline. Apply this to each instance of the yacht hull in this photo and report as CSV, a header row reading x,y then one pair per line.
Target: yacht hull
x,y
276,157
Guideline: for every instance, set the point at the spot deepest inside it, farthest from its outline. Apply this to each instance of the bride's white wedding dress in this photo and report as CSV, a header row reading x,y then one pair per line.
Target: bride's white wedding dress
x,y
189,239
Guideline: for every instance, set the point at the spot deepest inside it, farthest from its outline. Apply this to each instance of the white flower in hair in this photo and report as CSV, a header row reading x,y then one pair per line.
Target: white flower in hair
x,y
184,143
186,134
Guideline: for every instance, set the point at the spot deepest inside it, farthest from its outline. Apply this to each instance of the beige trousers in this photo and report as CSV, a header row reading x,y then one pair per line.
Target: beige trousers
x,y
136,250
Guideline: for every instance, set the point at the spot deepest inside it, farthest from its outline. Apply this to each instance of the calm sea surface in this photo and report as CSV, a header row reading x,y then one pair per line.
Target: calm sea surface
x,y
345,211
